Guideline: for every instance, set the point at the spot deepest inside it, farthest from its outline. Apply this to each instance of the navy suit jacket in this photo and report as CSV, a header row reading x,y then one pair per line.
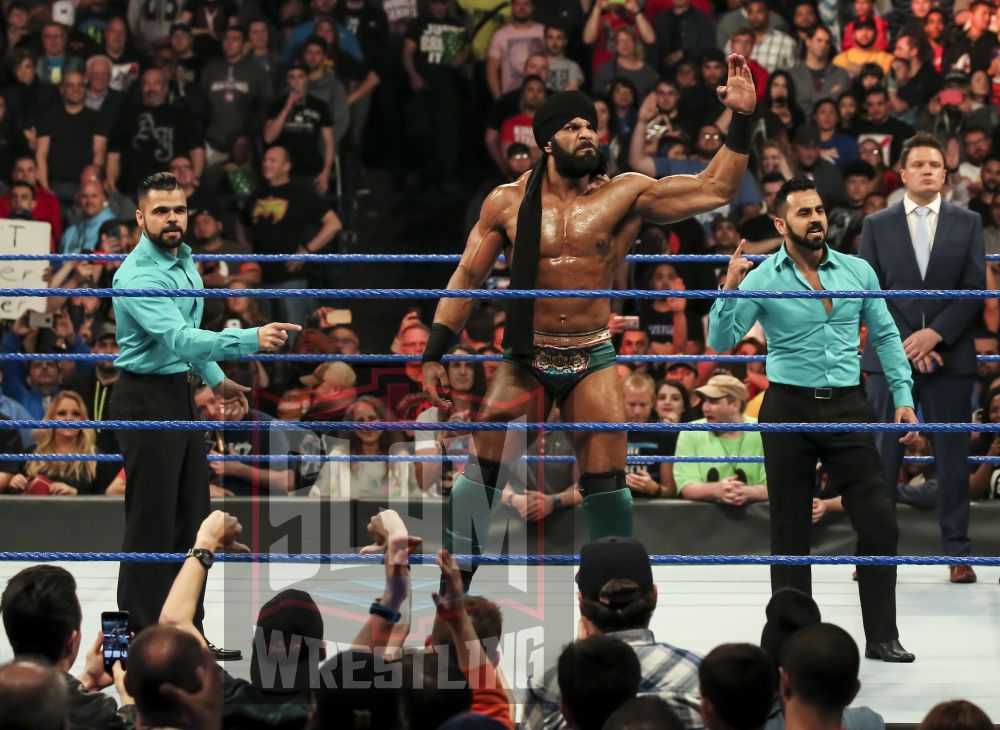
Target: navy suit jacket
x,y
958,261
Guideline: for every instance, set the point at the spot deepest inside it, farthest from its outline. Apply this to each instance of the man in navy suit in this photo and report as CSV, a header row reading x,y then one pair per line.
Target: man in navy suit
x,y
927,243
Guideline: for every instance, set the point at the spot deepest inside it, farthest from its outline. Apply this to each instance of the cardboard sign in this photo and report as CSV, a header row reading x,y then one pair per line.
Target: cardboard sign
x,y
17,236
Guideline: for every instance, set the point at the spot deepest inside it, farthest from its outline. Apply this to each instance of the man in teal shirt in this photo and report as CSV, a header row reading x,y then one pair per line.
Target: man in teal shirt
x,y
815,376
162,349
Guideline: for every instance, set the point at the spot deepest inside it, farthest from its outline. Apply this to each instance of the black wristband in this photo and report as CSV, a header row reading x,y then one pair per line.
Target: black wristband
x,y
438,342
740,132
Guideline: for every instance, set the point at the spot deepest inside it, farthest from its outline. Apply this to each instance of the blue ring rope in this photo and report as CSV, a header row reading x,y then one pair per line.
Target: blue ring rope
x,y
368,358
278,425
510,293
435,458
377,258
519,559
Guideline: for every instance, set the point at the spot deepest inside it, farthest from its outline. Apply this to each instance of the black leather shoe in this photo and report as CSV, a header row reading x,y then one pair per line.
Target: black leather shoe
x,y
888,651
224,655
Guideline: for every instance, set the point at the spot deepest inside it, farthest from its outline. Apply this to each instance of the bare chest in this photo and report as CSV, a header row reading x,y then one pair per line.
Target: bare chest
x,y
588,229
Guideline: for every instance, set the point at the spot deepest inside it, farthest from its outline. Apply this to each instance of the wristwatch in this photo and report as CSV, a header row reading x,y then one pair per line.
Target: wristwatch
x,y
205,557
384,612
556,501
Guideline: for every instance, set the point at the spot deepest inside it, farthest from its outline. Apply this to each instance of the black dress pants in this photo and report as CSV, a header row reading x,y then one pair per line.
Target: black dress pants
x,y
855,470
166,489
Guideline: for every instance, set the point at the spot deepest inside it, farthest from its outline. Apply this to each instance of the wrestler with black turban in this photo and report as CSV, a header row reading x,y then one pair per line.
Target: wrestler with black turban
x,y
563,226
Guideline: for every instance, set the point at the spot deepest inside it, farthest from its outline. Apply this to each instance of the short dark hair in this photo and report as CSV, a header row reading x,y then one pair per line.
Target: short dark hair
x,y
160,655
164,181
293,618
33,694
596,675
772,177
742,31
795,185
977,3
619,613
432,693
978,128
738,679
859,168
356,684
821,662
23,184
825,100
238,28
920,139
880,90
41,611
643,713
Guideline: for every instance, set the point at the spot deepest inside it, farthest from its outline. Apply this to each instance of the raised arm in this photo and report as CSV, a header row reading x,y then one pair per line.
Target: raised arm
x,y
682,196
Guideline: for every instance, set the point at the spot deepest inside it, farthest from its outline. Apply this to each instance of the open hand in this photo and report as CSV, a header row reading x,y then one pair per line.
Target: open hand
x,y
738,94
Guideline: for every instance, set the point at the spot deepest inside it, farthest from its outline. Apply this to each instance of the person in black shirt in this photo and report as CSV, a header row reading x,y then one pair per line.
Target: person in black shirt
x,y
10,443
277,219
916,77
972,50
640,393
70,137
302,124
436,46
95,386
151,135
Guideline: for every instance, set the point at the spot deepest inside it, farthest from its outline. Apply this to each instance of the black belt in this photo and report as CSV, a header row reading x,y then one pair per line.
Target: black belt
x,y
186,377
818,393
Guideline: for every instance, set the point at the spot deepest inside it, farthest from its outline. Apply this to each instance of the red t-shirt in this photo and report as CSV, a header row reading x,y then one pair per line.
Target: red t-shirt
x,y
518,129
46,210
488,698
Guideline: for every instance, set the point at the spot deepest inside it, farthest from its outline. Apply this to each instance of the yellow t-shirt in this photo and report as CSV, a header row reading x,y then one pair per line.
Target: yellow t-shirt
x,y
856,56
476,10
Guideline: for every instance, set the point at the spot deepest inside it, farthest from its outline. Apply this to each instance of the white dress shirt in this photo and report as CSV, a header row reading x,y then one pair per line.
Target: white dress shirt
x,y
932,218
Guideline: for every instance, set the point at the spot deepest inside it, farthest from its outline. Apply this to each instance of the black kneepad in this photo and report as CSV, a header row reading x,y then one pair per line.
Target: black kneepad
x,y
605,481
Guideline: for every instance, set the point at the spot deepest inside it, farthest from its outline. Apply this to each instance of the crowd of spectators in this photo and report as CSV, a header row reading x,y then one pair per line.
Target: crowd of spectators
x,y
266,113
399,672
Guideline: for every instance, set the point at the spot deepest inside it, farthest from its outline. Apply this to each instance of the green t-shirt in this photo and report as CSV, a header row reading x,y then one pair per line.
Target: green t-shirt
x,y
708,443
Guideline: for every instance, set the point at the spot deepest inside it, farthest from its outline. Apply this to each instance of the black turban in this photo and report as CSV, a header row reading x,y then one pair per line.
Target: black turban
x,y
557,111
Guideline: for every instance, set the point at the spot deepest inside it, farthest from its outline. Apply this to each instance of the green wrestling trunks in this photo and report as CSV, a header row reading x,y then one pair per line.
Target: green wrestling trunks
x,y
560,360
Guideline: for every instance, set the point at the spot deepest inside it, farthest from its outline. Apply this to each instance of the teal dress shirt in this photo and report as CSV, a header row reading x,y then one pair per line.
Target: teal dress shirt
x,y
160,335
806,346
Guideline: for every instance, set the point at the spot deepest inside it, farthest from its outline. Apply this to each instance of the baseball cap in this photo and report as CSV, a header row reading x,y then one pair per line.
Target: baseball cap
x,y
64,13
807,135
613,558
686,365
720,386
106,329
866,21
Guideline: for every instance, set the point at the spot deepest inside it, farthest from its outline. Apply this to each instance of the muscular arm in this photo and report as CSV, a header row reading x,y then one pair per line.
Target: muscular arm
x,y
683,196
484,246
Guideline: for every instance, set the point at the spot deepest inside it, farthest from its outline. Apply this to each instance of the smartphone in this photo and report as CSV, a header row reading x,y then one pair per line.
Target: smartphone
x,y
117,637
630,322
233,324
952,97
337,317
41,320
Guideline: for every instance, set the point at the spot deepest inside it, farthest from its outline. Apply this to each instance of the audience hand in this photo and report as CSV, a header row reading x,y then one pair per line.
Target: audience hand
x,y
734,491
391,538
218,532
18,483
451,605
94,678
62,488
435,379
641,482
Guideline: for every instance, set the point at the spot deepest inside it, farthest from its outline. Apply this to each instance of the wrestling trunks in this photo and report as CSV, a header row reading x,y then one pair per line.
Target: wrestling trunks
x,y
560,361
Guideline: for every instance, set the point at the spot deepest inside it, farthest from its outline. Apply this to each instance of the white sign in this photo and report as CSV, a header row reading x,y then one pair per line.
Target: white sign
x,y
17,236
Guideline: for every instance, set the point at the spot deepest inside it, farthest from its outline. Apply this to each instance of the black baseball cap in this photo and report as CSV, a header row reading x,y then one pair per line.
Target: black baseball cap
x,y
865,22
613,558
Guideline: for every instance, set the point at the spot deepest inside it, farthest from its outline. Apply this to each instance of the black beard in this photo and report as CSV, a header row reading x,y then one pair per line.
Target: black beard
x,y
804,242
171,244
573,166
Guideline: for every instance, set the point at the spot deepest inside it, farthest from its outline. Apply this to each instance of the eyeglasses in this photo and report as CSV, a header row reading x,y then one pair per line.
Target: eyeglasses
x,y
711,136
519,156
